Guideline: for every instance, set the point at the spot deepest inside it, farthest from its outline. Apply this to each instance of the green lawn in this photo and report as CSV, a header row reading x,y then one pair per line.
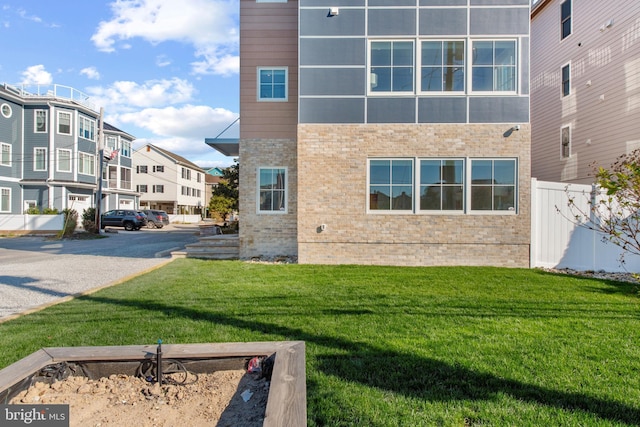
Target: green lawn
x,y
388,346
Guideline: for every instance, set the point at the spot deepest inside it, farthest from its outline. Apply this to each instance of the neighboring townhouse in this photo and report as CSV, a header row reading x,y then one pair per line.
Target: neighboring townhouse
x,y
49,152
212,178
385,131
585,86
168,182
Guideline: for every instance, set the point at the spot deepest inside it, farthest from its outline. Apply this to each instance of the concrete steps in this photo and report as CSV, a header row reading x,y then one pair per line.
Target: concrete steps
x,y
216,247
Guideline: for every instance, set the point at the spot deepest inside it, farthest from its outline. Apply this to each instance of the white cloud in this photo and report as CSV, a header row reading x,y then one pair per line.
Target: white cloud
x,y
188,121
211,26
225,66
162,60
36,75
91,73
125,96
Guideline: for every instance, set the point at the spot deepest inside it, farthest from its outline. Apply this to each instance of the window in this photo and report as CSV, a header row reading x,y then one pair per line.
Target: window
x,y
126,148
565,19
494,66
391,185
63,160
125,178
5,154
565,140
5,200
272,84
64,123
141,169
6,111
158,188
141,188
113,177
112,143
158,168
566,80
442,66
39,159
186,173
87,128
391,66
198,177
86,163
184,190
493,185
442,185
40,121
272,190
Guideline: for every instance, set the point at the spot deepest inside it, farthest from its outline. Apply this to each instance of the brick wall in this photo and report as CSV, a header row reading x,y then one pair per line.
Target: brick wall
x,y
266,235
332,170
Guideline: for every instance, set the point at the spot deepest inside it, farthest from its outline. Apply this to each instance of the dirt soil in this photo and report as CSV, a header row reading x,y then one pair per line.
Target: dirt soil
x,y
223,398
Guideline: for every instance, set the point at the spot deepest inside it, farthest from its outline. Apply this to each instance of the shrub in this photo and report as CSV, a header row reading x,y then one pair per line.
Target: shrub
x,y
70,223
89,220
52,211
33,211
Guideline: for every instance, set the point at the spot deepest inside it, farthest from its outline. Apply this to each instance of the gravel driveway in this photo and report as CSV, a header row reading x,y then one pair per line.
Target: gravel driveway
x,y
37,271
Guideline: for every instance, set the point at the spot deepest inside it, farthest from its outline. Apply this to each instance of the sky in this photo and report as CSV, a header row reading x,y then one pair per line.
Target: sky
x,y
165,71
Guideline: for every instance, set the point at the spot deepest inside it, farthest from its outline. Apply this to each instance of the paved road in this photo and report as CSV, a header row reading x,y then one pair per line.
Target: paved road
x,y
35,271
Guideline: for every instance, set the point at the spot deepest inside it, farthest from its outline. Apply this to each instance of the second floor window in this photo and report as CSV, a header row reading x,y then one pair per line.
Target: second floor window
x,y
64,160
158,188
141,169
391,66
442,66
39,159
272,84
87,128
5,155
494,66
86,164
64,123
158,168
565,18
566,80
40,121
125,178
126,148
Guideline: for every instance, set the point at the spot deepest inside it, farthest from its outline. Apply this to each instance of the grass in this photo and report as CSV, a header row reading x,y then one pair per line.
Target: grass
x,y
388,346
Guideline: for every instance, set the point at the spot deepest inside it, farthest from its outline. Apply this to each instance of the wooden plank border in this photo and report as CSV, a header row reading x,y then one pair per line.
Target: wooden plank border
x,y
287,401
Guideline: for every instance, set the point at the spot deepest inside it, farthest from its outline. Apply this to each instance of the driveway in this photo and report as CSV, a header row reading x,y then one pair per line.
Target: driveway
x,y
37,271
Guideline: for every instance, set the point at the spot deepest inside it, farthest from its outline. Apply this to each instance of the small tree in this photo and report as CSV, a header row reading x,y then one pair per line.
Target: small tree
x,y
614,207
224,196
221,206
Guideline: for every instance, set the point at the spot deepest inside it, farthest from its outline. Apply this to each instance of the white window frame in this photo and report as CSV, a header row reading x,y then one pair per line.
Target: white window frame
x,y
419,186
85,125
45,113
58,152
127,184
67,113
126,148
390,210
6,110
40,153
286,84
158,168
470,67
562,80
419,66
5,154
142,188
562,144
86,157
414,67
5,199
285,191
470,186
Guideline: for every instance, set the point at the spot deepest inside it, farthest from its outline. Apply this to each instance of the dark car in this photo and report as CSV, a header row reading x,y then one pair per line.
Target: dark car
x,y
127,218
156,218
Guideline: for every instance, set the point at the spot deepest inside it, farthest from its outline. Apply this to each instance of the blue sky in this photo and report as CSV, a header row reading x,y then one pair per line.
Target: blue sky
x,y
165,71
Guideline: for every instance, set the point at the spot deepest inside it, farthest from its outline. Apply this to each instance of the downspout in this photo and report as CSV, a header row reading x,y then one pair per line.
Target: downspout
x,y
50,177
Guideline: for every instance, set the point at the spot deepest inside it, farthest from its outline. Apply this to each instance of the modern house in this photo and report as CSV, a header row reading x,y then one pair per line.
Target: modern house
x,y
385,131
50,152
585,86
168,182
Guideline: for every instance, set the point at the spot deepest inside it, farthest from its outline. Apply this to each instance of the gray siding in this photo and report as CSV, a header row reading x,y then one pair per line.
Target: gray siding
x,y
392,22
316,22
442,110
499,21
443,22
331,110
11,133
333,51
391,110
333,81
499,110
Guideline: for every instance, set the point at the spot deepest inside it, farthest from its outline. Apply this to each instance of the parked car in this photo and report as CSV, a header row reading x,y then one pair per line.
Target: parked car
x,y
127,218
155,218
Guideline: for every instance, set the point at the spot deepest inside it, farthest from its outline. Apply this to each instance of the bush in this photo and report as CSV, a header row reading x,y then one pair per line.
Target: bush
x,y
70,223
89,220
33,211
52,211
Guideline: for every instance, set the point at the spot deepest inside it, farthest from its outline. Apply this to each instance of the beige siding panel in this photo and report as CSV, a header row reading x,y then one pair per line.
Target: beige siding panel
x,y
603,109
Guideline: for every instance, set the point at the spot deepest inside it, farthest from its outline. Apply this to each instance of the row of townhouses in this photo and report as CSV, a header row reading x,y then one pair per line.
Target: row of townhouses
x,y
50,158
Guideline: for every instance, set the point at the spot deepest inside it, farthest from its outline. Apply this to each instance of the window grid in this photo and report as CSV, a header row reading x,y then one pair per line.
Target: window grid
x,y
63,160
39,159
86,164
442,65
87,128
40,121
64,123
392,66
272,190
5,154
273,83
5,200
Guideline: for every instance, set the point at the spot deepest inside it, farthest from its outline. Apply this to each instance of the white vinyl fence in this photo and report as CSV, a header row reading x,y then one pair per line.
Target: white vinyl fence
x,y
558,242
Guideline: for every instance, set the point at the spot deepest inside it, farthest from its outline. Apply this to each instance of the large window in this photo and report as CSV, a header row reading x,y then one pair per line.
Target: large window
x,y
64,122
40,159
442,66
566,80
272,84
87,128
125,178
5,154
272,190
40,121
565,142
565,18
5,200
493,185
392,66
442,185
494,66
86,163
391,185
64,160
